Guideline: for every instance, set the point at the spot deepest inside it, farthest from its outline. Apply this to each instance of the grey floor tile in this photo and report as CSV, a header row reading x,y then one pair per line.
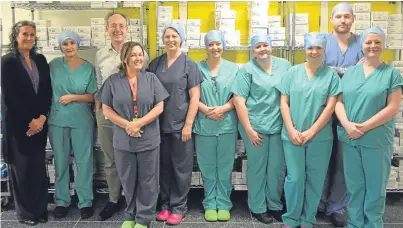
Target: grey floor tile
x,y
15,224
274,225
95,224
398,225
393,214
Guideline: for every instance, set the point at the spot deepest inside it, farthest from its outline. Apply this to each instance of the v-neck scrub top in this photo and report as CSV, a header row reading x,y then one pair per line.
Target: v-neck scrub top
x,y
81,80
364,97
335,58
262,98
116,93
214,94
178,79
307,98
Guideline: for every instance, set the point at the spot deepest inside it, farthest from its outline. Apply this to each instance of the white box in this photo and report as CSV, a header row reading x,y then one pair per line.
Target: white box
x,y
222,5
42,43
194,29
71,28
98,35
362,7
42,23
193,35
397,64
41,29
362,25
227,23
394,43
381,24
260,4
135,35
98,42
53,43
300,30
54,30
42,35
393,24
300,18
96,5
362,16
299,41
110,5
53,36
278,30
179,22
85,43
395,17
84,29
131,4
277,43
259,13
395,30
379,16
165,9
134,29
227,14
256,31
87,36
259,22
202,36
164,18
359,31
274,24
193,22
394,36
193,43
97,21
273,19
97,28
134,39
134,21
277,36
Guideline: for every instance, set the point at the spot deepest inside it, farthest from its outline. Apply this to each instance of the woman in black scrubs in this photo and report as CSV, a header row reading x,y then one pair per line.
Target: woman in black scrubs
x,y
26,93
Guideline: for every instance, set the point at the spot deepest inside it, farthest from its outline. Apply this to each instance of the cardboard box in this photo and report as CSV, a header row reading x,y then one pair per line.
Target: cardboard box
x,y
300,18
277,30
96,5
41,29
362,16
194,22
97,21
300,30
110,5
42,23
53,30
395,17
42,35
277,36
227,23
362,7
256,31
274,24
361,25
193,43
381,24
379,16
134,21
85,43
227,14
277,43
259,22
98,28
273,19
98,42
84,29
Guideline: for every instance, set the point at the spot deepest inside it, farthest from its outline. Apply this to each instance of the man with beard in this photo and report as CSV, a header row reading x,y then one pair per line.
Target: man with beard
x,y
342,51
107,61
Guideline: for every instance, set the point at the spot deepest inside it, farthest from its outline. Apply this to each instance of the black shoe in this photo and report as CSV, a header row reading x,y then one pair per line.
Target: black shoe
x,y
43,218
339,219
60,212
29,222
277,215
263,217
87,212
108,211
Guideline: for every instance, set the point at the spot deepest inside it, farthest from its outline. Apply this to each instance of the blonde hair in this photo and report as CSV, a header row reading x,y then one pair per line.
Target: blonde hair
x,y
126,52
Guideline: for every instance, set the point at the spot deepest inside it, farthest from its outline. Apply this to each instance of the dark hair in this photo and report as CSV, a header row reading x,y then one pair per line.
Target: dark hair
x,y
109,15
15,31
126,51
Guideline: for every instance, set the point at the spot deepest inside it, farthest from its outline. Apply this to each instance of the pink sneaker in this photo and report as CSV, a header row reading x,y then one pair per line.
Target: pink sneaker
x,y
305,227
175,219
163,215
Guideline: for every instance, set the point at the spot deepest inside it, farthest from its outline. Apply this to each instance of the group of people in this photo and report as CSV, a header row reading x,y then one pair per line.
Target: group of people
x,y
325,142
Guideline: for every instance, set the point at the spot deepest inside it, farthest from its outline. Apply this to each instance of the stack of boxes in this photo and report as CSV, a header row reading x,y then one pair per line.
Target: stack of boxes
x,y
164,18
135,31
42,32
276,32
98,38
362,11
301,27
380,20
226,23
398,65
395,32
193,33
106,4
259,19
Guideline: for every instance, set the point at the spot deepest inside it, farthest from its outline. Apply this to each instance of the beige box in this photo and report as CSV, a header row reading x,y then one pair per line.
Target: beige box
x,y
97,21
362,7
42,35
110,5
97,28
256,31
87,36
394,36
71,28
278,43
96,5
395,17
41,29
379,16
393,24
134,21
259,22
134,29
131,4
227,14
300,18
42,43
98,42
381,24
97,35
277,36
53,43
42,23
54,30
361,25
396,44
362,16
273,19
53,36
279,30
84,29
300,30
274,24
135,35
85,43
398,64
395,30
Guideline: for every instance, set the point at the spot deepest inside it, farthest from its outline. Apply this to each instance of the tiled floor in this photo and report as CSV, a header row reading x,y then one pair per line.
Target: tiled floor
x,y
240,216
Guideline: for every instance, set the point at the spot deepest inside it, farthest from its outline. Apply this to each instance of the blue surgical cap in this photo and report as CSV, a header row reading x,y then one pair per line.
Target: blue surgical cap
x,y
214,35
260,38
374,30
314,39
342,7
68,35
178,28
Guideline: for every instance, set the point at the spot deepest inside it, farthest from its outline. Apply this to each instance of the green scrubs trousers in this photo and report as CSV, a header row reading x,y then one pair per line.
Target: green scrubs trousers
x,y
265,173
306,171
215,156
64,140
367,173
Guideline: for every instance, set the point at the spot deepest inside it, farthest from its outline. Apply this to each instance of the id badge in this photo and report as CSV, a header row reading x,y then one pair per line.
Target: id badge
x,y
135,119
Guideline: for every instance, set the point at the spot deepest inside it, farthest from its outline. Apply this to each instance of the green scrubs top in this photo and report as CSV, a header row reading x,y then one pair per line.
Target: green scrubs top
x,y
307,98
262,99
365,97
216,91
81,80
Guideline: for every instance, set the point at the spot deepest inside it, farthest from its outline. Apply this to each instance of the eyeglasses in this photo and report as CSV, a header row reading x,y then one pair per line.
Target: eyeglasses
x,y
115,26
214,81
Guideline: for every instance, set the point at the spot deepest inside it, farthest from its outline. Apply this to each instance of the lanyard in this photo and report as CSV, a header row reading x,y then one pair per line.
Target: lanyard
x,y
133,88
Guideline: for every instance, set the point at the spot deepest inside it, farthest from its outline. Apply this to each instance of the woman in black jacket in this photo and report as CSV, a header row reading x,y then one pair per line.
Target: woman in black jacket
x,y
26,92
